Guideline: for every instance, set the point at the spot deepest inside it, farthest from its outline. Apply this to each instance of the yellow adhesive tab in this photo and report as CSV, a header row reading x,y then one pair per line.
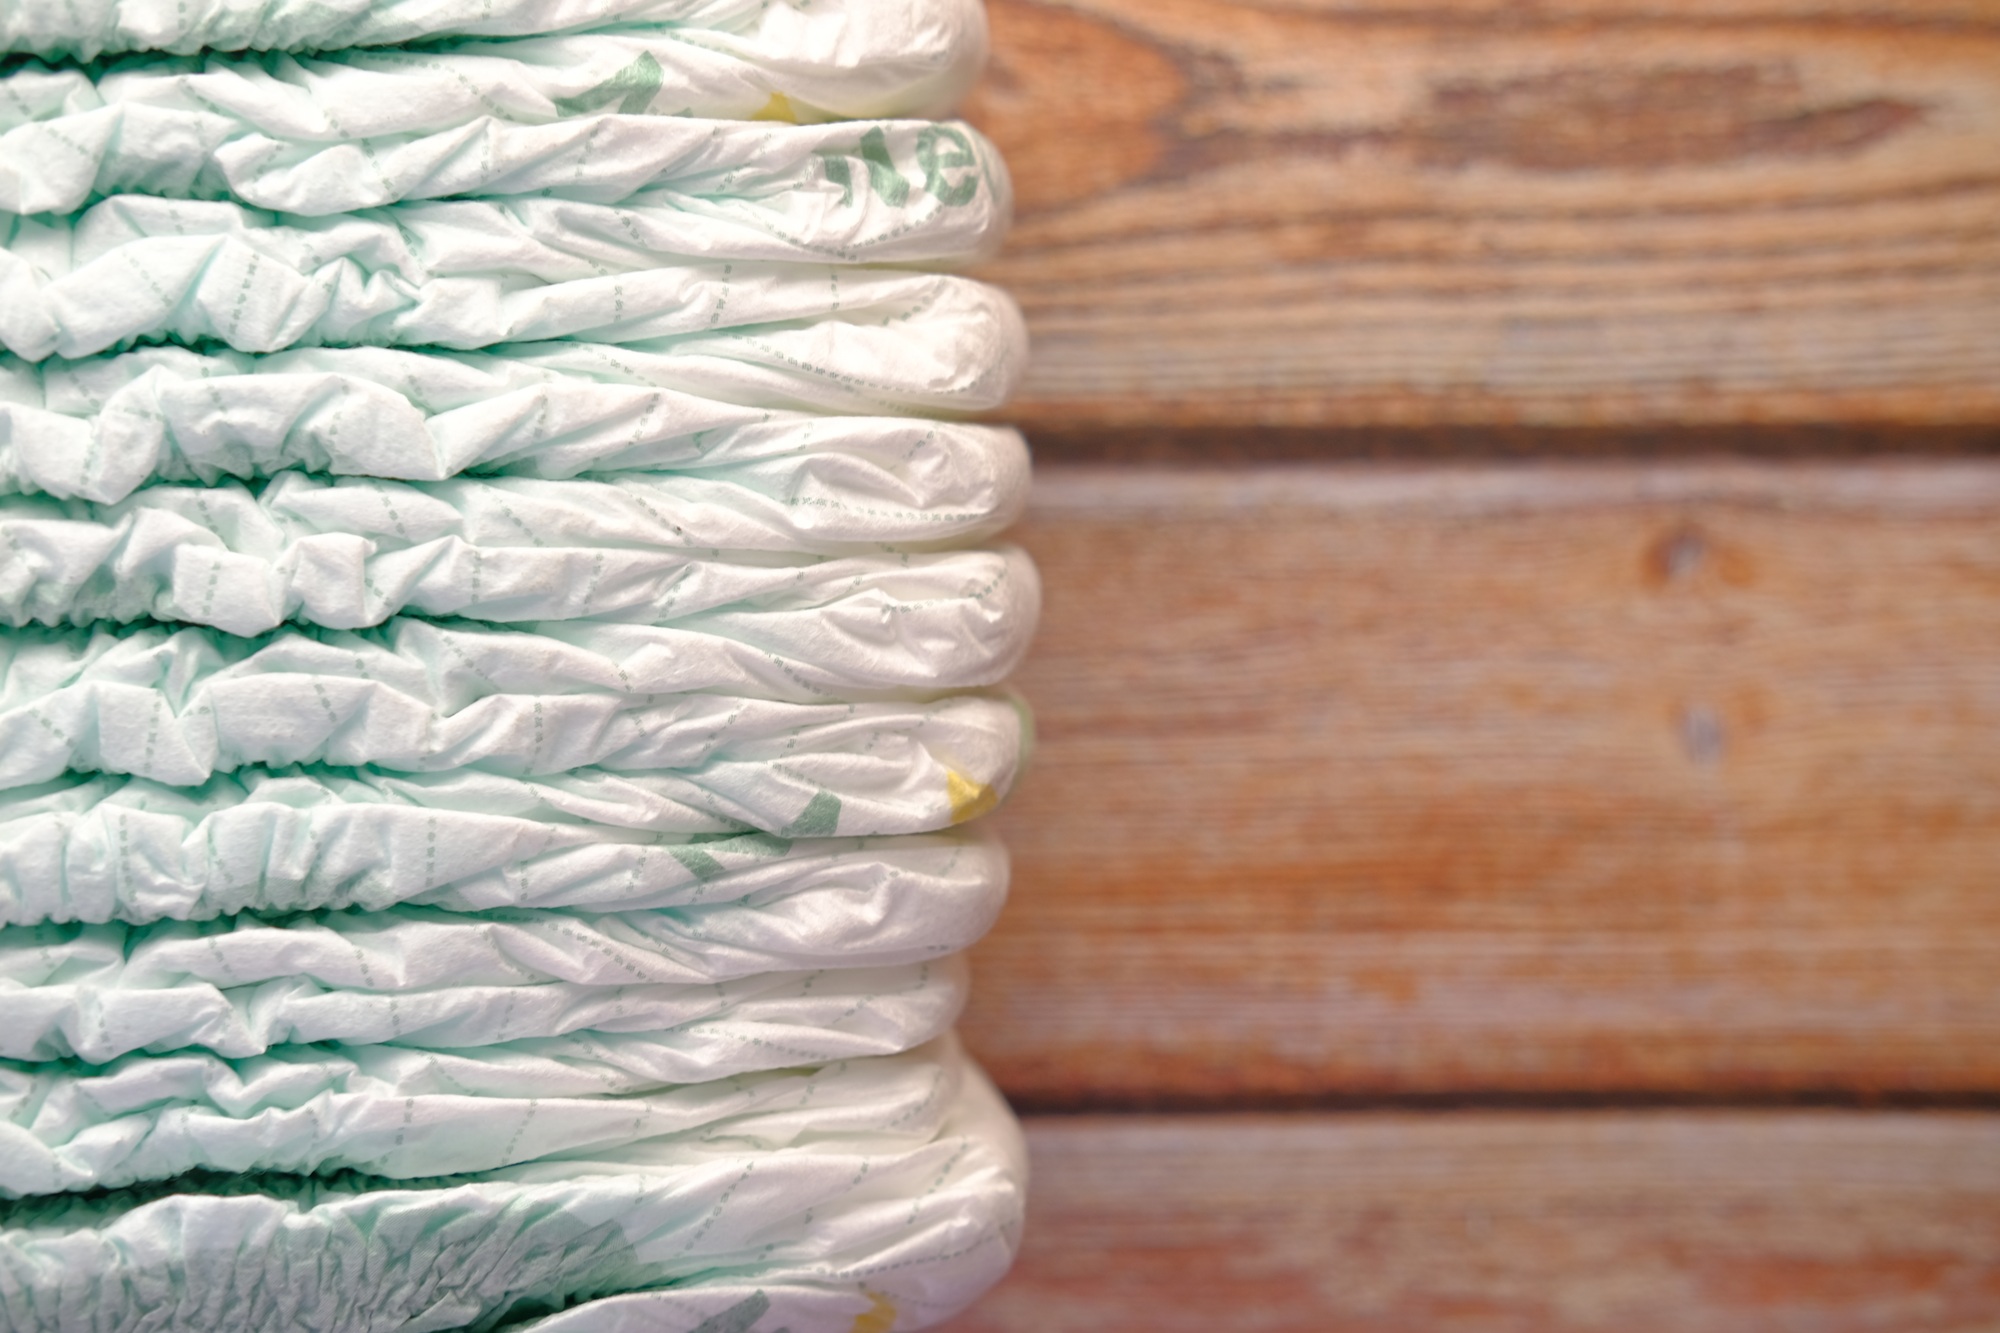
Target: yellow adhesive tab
x,y
879,1318
969,799
778,108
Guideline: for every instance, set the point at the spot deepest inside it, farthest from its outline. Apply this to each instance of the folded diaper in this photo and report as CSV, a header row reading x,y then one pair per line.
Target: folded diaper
x,y
405,946
101,848
397,1112
785,510
143,269
896,1217
355,556
647,193
90,28
840,60
53,1019
894,190
179,706
845,629
98,429
725,797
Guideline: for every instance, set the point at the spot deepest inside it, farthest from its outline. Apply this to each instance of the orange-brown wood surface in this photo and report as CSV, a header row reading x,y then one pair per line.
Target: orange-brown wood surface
x,y
1696,1222
1650,780
1574,212
1672,780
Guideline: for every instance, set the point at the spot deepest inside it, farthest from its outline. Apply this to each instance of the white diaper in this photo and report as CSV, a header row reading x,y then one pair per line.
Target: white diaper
x,y
133,269
98,429
102,848
829,60
901,1216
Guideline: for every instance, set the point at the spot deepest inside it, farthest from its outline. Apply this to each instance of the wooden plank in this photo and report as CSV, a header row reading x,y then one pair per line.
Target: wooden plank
x,y
1579,212
1483,1223
1615,780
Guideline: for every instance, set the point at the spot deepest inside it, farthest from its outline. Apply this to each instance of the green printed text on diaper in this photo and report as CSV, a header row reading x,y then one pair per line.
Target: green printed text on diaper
x,y
940,149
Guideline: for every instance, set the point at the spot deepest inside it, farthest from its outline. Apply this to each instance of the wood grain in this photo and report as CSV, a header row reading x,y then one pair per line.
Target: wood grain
x,y
1338,213
1496,1223
1525,780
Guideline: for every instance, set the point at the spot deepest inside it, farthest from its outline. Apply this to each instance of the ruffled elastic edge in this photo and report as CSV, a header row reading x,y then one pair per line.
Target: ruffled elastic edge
x,y
844,625
427,699
751,1026
100,429
69,1128
97,849
801,1236
89,28
790,1017
410,948
422,698
797,506
893,191
828,61
268,289
615,193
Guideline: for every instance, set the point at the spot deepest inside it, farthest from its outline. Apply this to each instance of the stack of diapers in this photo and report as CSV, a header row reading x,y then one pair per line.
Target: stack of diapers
x,y
503,638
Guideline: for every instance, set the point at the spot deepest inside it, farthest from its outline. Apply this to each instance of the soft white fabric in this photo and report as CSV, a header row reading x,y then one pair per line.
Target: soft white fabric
x,y
326,854
89,28
352,557
408,947
96,1018
884,191
789,510
138,269
485,712
722,405
900,1221
398,1112
416,697
845,629
99,848
829,60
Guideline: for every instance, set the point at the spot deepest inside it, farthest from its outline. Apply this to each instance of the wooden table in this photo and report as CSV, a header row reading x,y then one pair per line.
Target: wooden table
x,y
1515,837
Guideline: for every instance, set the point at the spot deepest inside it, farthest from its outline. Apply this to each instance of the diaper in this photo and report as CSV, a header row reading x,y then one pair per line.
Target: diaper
x,y
398,1113
897,190
90,28
787,511
100,428
104,1015
416,697
833,59
845,626
98,848
900,1215
134,269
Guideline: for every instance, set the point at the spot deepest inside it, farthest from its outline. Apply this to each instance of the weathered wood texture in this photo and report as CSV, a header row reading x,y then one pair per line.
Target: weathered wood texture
x,y
1552,1223
1625,780
1579,212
